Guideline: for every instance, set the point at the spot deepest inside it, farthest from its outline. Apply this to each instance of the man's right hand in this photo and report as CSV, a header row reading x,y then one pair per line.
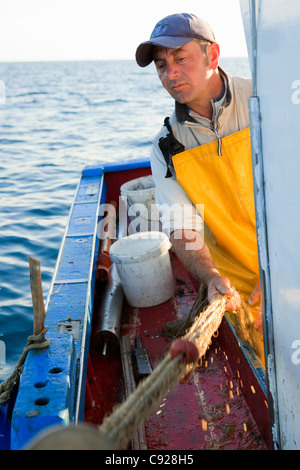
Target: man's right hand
x,y
254,298
199,262
221,285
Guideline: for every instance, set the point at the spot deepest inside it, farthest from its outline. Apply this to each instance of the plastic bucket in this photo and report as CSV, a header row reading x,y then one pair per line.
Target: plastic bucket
x,y
144,267
142,210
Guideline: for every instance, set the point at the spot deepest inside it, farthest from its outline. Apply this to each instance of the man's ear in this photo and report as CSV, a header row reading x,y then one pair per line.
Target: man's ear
x,y
213,55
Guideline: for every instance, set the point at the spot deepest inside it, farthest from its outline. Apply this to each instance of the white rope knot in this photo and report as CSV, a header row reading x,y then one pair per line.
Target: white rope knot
x,y
33,342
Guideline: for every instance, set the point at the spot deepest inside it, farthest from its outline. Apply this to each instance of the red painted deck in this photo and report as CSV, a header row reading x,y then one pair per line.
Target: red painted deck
x,y
209,412
222,407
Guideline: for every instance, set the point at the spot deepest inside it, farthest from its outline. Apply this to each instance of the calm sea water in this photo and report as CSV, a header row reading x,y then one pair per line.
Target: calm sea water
x,y
55,118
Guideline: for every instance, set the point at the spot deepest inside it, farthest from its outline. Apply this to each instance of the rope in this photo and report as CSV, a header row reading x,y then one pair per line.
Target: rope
x,y
177,328
33,342
123,422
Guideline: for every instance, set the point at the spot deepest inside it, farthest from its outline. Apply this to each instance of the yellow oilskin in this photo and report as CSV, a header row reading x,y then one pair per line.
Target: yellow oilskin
x,y
221,182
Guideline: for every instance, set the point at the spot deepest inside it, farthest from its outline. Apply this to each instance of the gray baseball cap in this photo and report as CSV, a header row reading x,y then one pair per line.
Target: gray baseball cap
x,y
171,32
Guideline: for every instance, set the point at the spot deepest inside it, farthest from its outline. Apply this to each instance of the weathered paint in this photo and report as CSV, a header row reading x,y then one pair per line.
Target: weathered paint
x,y
273,43
5,421
45,392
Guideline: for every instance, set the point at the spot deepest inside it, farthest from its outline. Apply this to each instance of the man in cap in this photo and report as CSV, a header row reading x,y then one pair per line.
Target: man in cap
x,y
201,158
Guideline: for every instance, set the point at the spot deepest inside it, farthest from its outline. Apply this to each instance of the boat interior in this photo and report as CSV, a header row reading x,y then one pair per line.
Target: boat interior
x,y
224,405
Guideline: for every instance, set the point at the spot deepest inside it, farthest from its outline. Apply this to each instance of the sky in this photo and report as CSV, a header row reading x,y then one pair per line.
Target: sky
x,y
37,30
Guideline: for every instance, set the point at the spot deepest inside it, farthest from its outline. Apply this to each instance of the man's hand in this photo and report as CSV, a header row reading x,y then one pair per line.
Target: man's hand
x,y
221,285
199,262
254,298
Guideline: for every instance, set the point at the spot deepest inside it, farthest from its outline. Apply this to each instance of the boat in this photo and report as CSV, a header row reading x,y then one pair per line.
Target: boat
x,y
88,372
74,381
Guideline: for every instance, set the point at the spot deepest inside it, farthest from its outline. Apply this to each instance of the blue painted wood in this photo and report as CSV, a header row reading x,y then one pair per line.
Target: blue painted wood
x,y
101,168
83,219
252,359
45,392
46,398
75,259
5,414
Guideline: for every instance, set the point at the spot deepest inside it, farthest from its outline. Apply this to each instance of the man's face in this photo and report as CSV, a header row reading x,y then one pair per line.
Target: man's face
x,y
184,72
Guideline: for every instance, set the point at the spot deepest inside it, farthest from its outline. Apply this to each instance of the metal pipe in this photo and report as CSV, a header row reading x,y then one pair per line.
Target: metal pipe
x,y
107,331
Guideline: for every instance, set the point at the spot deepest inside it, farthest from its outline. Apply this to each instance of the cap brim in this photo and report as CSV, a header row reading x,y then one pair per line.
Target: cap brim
x,y
144,52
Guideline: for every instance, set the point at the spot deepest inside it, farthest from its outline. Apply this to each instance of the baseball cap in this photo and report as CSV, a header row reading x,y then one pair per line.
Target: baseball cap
x,y
171,32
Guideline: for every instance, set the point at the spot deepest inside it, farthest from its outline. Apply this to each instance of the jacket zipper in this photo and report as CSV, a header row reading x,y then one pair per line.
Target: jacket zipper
x,y
215,129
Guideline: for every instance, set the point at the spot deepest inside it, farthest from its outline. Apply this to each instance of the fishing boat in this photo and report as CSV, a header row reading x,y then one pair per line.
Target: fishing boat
x,y
73,380
102,349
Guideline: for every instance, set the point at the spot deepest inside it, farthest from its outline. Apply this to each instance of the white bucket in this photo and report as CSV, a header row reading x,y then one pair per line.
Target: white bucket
x,y
142,210
144,267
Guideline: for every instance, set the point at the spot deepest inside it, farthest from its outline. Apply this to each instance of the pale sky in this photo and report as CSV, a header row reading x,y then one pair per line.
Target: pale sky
x,y
33,30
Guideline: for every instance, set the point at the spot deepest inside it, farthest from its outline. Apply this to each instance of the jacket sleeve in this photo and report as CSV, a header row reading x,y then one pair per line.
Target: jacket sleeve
x,y
177,212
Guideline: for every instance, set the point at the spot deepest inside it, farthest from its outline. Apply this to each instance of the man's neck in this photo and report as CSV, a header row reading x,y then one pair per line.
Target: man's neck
x,y
204,108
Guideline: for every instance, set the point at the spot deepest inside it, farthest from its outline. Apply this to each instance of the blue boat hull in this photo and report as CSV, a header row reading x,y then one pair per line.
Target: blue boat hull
x,y
52,385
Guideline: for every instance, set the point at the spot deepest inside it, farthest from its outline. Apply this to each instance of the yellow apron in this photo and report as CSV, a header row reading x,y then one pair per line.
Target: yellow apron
x,y
223,184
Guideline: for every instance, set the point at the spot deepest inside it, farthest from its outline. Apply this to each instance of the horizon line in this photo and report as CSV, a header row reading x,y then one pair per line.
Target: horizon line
x,y
95,60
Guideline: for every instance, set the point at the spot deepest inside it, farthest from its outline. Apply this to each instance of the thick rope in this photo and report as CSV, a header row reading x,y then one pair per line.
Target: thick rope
x,y
177,328
123,422
33,342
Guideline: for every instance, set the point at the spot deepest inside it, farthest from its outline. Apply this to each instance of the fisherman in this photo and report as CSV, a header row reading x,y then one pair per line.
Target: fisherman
x,y
201,158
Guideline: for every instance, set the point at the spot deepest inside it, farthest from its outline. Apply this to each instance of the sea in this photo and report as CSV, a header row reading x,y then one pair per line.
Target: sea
x,y
56,118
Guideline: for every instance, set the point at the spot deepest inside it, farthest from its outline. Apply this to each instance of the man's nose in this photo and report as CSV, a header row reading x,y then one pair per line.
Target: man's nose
x,y
171,71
